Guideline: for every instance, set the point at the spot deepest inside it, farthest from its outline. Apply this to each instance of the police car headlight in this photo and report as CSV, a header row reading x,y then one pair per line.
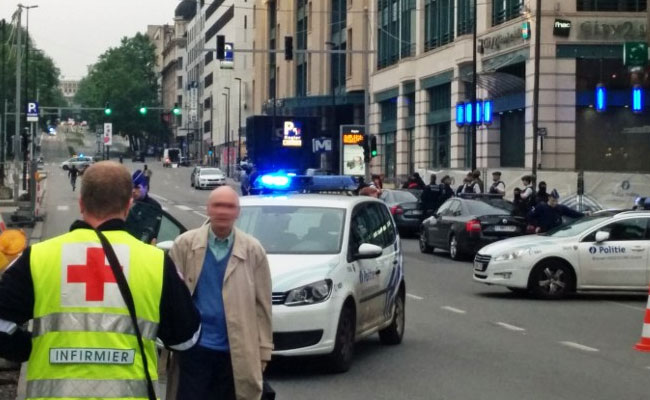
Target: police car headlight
x,y
309,294
513,255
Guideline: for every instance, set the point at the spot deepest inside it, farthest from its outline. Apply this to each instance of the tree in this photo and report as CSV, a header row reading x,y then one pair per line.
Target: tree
x,y
125,77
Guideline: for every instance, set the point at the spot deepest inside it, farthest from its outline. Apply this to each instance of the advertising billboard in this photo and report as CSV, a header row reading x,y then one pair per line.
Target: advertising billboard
x,y
352,155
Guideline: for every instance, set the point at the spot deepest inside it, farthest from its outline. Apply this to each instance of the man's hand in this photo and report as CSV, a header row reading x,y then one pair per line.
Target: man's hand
x,y
264,364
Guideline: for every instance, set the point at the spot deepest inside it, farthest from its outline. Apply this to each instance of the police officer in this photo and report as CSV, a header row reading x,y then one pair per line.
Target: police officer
x,y
497,187
83,343
430,196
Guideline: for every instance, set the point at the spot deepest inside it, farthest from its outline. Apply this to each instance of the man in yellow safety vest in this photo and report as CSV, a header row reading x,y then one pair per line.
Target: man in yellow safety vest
x,y
84,343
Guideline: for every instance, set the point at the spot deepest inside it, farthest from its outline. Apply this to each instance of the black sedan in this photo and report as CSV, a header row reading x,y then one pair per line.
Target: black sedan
x,y
406,210
464,225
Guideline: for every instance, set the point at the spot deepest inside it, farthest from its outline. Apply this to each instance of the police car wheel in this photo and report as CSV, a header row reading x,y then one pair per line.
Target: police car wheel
x,y
341,358
454,251
394,333
551,279
425,247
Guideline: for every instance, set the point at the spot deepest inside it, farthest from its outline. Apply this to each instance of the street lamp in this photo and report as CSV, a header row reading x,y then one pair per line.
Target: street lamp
x,y
239,127
331,46
227,135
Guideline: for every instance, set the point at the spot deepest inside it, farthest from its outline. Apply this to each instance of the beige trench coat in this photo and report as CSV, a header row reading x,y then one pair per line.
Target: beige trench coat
x,y
247,302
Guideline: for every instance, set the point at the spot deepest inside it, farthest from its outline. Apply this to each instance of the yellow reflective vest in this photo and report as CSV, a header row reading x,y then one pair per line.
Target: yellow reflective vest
x,y
84,343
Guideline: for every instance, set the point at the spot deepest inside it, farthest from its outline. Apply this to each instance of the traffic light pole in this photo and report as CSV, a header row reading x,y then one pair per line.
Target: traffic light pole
x,y
19,46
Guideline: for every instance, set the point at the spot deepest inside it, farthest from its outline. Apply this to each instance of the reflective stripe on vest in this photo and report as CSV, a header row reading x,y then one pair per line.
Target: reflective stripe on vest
x,y
81,388
81,322
82,329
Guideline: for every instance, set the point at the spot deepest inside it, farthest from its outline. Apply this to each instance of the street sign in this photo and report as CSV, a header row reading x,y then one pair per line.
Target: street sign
x,y
321,145
194,101
108,134
228,61
542,132
32,111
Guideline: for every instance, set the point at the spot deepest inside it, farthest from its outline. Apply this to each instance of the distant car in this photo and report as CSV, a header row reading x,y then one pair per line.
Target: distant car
x,y
186,161
464,225
194,175
405,208
138,156
81,162
171,157
209,178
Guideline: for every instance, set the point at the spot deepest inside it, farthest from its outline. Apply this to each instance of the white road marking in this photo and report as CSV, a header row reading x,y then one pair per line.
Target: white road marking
x,y
62,208
200,214
184,208
579,346
626,305
414,297
158,197
511,327
454,310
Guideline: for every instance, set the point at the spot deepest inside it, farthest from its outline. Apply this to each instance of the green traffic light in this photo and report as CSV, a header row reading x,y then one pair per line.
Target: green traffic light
x,y
374,153
143,110
176,111
108,111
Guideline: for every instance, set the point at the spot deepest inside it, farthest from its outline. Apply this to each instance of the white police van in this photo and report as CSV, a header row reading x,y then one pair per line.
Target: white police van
x,y
601,252
336,265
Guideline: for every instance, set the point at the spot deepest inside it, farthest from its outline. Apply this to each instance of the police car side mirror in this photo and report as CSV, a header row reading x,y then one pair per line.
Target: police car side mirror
x,y
602,236
368,251
166,245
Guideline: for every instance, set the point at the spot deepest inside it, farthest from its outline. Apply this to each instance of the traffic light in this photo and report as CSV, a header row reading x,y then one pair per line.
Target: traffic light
x,y
221,47
373,146
176,110
25,141
288,48
107,109
143,109
365,143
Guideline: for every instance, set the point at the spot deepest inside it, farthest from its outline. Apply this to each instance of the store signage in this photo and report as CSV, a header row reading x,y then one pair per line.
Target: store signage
x,y
562,28
292,134
502,40
613,30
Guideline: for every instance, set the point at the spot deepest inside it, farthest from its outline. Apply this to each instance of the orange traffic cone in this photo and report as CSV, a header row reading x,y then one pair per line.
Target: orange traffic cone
x,y
644,343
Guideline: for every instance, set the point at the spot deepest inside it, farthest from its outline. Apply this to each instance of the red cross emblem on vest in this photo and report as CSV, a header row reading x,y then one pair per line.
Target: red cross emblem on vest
x,y
95,273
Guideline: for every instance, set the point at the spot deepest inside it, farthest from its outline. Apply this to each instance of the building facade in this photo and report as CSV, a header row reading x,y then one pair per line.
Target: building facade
x,y
422,69
69,88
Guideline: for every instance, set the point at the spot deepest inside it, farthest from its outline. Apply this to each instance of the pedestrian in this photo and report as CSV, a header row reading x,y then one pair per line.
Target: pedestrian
x,y
465,186
228,273
498,187
479,186
528,193
244,182
430,196
446,191
141,190
73,172
84,343
147,175
362,184
546,216
520,207
377,182
419,183
542,195
121,158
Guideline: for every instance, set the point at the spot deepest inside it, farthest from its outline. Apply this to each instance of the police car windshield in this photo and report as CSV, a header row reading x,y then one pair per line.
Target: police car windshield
x,y
294,230
576,227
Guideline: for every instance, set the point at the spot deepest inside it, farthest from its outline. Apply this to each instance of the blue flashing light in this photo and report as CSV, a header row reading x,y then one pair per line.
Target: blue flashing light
x,y
291,174
469,113
601,98
81,155
479,112
275,181
460,114
637,99
487,112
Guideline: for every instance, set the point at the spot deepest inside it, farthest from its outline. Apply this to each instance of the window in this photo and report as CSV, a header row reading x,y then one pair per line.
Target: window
x,y
439,97
389,232
465,17
309,16
370,225
390,155
207,126
207,103
505,10
338,41
410,151
407,32
395,31
179,82
627,230
301,44
388,109
208,80
348,61
611,5
439,136
209,56
438,23
409,99
455,208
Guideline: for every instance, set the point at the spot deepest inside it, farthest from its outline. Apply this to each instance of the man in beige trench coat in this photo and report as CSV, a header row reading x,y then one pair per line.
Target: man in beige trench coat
x,y
228,275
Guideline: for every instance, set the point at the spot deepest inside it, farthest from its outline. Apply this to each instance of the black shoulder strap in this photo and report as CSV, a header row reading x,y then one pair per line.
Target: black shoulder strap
x,y
123,285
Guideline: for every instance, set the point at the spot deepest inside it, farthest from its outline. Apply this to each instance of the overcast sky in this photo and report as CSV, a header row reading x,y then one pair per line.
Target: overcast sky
x,y
75,32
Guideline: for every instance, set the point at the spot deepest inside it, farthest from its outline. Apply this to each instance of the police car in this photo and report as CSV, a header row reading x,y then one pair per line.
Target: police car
x,y
336,265
600,252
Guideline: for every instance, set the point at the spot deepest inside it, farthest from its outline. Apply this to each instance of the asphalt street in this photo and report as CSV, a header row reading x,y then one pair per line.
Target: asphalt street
x,y
463,340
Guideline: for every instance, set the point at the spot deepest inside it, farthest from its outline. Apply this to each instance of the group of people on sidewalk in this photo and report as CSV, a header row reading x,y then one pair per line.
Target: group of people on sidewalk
x,y
99,298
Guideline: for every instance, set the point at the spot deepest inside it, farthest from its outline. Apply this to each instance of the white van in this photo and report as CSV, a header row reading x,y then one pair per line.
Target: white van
x,y
171,157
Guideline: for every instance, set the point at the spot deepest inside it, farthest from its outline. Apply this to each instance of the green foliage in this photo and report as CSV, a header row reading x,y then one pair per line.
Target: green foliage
x,y
124,76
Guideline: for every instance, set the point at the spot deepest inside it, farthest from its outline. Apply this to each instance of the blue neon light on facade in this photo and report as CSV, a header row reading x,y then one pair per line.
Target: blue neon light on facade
x,y
487,112
469,113
637,99
601,98
479,112
460,114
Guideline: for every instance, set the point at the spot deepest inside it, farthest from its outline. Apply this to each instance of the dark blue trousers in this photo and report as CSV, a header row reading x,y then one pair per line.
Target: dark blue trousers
x,y
205,374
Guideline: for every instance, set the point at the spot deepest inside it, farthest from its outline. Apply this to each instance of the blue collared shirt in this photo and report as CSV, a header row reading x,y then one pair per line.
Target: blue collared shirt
x,y
220,247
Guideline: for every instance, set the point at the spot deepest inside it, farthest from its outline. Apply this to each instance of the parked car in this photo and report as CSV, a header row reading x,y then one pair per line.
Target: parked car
x,y
405,208
194,175
138,156
81,162
464,225
209,178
